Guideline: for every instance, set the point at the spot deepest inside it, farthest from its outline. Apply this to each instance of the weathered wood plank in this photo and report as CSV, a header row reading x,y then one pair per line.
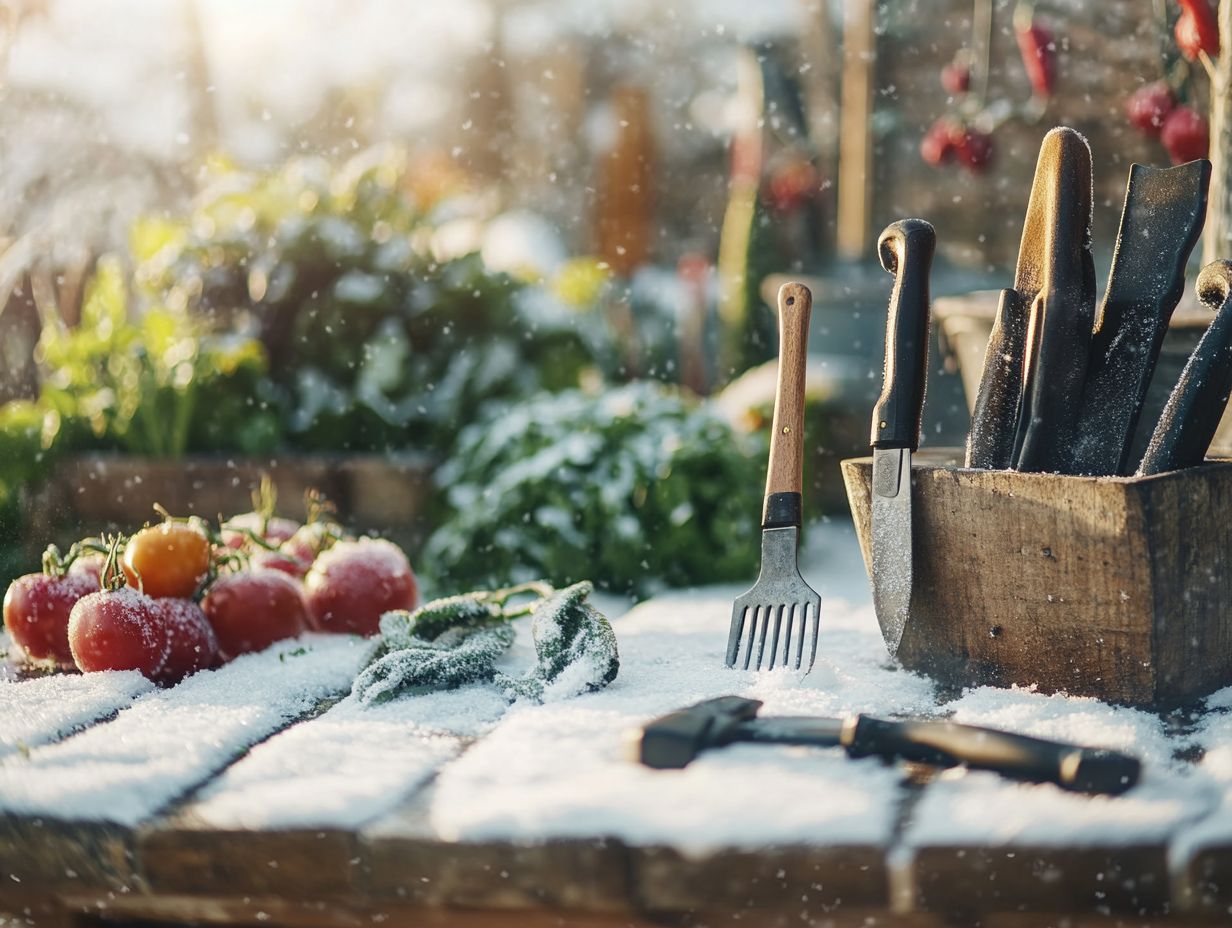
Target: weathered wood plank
x,y
41,710
806,883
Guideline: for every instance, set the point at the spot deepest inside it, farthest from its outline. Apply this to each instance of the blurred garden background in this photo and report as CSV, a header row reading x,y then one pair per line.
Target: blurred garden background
x,y
492,274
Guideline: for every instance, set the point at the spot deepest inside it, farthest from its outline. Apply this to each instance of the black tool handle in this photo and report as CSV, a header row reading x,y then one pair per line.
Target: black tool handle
x,y
1192,414
949,744
906,250
994,421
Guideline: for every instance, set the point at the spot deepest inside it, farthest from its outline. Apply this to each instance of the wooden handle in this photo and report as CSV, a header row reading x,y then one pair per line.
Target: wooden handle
x,y
786,471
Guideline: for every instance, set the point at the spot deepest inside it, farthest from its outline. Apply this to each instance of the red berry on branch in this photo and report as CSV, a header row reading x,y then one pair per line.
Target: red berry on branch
x,y
1148,107
1035,44
1185,135
937,146
956,77
973,148
1197,30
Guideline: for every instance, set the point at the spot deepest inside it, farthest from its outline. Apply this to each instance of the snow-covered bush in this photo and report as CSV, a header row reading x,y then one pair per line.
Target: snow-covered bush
x,y
635,488
376,342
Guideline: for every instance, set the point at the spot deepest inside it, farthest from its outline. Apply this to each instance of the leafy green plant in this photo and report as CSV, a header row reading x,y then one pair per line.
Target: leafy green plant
x,y
640,487
376,342
160,385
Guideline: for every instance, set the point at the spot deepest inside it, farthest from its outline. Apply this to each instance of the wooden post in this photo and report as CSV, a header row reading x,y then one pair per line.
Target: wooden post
x,y
855,154
1217,242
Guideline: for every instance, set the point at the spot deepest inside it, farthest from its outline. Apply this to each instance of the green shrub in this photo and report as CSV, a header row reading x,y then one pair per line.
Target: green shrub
x,y
635,488
375,343
160,385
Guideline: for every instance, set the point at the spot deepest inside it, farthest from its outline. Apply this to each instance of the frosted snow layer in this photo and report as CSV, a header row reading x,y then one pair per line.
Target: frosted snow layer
x,y
562,769
34,712
984,809
348,764
168,742
1214,737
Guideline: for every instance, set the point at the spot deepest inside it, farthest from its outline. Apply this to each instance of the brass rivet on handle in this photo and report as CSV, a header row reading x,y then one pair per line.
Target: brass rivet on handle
x,y
787,430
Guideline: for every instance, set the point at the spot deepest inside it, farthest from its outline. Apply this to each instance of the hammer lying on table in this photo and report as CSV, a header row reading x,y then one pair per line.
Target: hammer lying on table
x,y
675,740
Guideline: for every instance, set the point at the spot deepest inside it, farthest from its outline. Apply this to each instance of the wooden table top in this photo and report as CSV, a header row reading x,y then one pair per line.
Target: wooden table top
x,y
258,794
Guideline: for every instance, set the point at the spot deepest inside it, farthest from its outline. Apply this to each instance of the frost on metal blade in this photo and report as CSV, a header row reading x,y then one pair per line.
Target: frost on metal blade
x,y
575,646
457,640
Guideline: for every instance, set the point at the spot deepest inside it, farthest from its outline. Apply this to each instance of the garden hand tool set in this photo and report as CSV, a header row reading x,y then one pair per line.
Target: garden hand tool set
x,y
781,604
1063,387
675,740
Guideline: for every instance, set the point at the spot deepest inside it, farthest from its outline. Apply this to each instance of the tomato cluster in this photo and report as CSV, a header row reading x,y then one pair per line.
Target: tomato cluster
x,y
178,597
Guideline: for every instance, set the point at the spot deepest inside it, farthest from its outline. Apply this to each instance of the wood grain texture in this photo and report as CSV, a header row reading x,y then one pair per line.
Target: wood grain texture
x,y
1131,880
804,882
785,472
1108,587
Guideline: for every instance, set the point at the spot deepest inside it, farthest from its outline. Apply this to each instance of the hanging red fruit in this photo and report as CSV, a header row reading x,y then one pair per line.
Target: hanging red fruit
x,y
1148,107
1197,30
937,146
972,148
1185,135
956,76
1038,51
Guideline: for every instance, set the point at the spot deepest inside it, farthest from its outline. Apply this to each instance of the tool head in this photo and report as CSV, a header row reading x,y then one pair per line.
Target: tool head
x,y
673,741
780,606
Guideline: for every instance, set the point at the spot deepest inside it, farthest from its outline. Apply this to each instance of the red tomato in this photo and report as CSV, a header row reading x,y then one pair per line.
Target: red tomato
x,y
250,610
235,530
355,582
88,565
193,645
1185,135
119,630
170,559
1148,107
36,611
285,563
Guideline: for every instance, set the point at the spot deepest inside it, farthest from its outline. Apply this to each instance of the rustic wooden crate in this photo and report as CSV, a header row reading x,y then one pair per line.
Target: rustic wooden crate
x,y
1112,587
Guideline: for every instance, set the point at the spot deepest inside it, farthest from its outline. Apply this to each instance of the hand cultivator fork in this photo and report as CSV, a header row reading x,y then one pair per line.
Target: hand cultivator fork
x,y
781,607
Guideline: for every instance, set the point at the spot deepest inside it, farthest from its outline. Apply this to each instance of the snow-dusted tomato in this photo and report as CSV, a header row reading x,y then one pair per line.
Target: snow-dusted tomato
x,y
235,531
353,583
193,644
119,630
250,610
36,611
170,559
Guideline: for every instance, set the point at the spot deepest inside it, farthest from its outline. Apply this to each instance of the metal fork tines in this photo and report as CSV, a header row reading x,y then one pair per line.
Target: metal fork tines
x,y
780,606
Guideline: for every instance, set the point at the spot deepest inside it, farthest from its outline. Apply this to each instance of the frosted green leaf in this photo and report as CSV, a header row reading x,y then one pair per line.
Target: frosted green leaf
x,y
575,645
455,657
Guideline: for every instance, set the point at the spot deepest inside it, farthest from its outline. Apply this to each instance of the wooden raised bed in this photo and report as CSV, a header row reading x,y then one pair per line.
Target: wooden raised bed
x,y
1115,587
380,493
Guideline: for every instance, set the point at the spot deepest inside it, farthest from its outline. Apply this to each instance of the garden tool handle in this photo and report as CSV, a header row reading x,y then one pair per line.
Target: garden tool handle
x,y
1189,420
785,474
906,251
949,744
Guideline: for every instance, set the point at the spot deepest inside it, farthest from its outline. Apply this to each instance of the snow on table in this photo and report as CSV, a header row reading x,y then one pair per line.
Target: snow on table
x,y
34,712
969,809
126,769
562,769
349,764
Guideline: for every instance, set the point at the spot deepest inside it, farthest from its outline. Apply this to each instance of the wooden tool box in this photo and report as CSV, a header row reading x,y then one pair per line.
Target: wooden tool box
x,y
1115,587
